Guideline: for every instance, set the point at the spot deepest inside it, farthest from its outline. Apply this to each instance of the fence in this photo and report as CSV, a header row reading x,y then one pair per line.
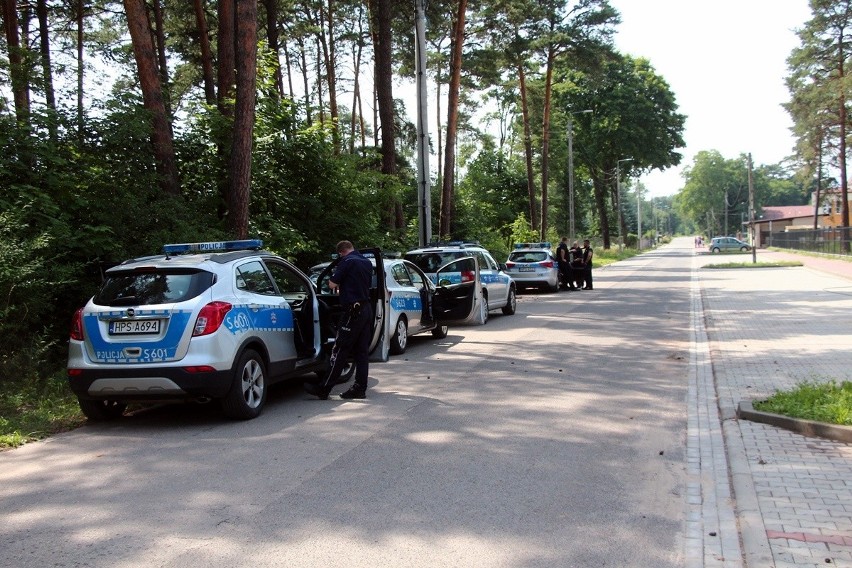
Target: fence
x,y
828,240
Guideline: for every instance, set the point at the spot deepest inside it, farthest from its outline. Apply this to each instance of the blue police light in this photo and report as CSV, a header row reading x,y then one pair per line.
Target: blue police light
x,y
213,246
544,245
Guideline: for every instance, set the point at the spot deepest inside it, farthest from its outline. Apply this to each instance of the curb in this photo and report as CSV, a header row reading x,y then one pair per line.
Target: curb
x,y
746,411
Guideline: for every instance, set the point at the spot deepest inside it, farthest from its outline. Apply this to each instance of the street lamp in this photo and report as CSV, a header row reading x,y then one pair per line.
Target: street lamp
x,y
618,197
571,171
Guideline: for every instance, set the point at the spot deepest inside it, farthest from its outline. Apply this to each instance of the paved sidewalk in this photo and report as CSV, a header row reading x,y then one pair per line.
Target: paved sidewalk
x,y
789,500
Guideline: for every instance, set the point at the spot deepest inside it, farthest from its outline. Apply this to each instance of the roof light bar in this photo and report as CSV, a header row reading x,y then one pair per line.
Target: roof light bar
x,y
544,244
213,246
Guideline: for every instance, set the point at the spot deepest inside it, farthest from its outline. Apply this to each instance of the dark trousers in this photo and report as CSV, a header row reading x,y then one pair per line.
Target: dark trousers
x,y
353,340
587,276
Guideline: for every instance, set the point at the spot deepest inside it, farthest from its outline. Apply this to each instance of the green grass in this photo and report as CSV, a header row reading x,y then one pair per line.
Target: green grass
x,y
32,410
778,264
828,402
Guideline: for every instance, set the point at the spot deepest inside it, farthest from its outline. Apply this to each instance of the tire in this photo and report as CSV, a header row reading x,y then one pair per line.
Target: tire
x,y
743,249
102,410
485,309
715,251
554,288
399,341
247,396
440,332
511,303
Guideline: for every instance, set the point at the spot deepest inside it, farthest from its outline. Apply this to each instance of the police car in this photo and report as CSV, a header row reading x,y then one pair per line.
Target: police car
x,y
533,265
202,321
496,291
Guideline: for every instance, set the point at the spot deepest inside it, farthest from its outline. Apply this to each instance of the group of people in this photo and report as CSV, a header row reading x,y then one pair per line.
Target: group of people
x,y
575,265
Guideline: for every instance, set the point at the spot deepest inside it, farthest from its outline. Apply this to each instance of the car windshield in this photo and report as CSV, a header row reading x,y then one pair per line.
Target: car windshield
x,y
529,256
149,287
432,261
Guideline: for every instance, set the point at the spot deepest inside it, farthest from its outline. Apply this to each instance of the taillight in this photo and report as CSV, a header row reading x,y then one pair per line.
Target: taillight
x,y
510,265
467,276
210,318
547,264
77,325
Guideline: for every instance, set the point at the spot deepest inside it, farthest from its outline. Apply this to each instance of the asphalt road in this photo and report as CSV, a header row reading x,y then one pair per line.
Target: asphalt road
x,y
555,437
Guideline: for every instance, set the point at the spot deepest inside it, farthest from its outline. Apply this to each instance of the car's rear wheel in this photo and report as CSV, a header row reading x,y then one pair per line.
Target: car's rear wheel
x,y
716,250
399,341
247,396
102,410
511,303
440,332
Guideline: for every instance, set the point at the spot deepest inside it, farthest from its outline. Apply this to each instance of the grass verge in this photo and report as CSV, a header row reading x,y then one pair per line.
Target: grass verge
x,y
828,402
32,410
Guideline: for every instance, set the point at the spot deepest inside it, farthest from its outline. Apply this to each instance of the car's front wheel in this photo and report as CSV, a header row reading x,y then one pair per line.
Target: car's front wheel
x,y
485,309
511,303
102,410
399,341
744,249
247,396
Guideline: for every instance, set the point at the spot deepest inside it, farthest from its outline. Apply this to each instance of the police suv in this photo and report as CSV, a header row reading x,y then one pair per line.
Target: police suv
x,y
497,290
209,321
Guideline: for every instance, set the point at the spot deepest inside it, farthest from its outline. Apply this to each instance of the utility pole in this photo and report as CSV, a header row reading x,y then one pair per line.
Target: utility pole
x,y
751,211
424,194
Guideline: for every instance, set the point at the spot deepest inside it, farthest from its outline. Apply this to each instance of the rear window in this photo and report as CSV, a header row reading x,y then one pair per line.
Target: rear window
x,y
529,256
432,261
149,287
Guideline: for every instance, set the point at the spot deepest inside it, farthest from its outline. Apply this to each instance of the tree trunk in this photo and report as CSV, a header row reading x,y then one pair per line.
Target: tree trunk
x,y
447,189
225,47
206,53
79,21
545,141
160,42
600,186
271,9
326,26
525,118
46,66
239,172
152,95
304,59
20,90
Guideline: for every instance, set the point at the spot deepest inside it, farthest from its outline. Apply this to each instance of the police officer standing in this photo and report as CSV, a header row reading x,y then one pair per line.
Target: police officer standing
x,y
351,280
562,263
588,253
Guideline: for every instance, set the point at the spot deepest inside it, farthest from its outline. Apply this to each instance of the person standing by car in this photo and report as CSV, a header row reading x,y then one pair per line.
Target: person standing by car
x,y
351,280
588,253
562,263
575,260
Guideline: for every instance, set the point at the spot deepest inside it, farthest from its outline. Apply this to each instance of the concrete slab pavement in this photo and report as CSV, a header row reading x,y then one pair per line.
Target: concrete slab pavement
x,y
788,500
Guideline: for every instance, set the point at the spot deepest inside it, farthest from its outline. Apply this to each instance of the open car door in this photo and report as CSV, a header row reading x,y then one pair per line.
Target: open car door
x,y
380,340
458,297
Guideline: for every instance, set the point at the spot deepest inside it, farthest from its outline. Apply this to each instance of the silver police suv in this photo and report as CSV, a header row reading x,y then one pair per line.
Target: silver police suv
x,y
498,290
203,321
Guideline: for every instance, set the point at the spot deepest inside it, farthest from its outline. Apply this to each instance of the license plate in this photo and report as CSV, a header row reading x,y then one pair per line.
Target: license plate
x,y
131,327
526,269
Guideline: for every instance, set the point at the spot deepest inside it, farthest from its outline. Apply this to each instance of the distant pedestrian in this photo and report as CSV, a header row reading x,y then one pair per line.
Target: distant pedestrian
x,y
588,255
351,279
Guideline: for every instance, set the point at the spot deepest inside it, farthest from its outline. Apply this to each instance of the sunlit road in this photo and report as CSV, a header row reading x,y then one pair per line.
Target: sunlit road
x,y
555,437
